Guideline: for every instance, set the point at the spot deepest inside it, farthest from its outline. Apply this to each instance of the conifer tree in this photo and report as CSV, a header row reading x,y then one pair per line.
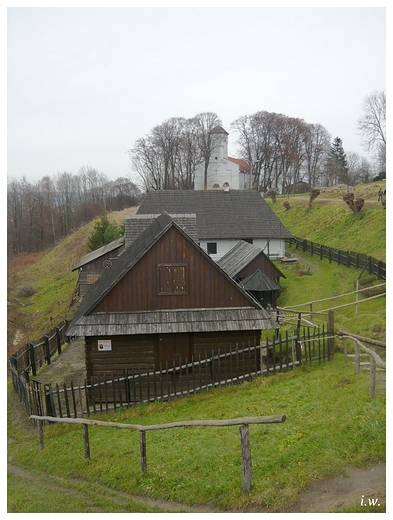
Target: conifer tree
x,y
337,163
104,232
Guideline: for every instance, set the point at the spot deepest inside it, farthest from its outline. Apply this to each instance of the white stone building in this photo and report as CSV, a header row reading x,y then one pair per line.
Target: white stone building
x,y
223,172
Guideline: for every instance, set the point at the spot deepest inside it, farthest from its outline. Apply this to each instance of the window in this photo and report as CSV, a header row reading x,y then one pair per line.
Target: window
x,y
212,248
248,240
172,279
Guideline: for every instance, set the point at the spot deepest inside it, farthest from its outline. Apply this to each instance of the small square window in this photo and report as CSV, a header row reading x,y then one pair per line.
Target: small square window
x,y
212,248
172,279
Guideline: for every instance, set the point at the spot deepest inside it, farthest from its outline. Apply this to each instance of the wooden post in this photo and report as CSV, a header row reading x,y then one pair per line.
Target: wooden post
x,y
372,377
47,349
32,359
331,335
58,339
41,434
357,358
246,458
142,446
357,296
86,441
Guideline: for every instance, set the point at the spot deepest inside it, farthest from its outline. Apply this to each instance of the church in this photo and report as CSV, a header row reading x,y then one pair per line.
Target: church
x,y
224,172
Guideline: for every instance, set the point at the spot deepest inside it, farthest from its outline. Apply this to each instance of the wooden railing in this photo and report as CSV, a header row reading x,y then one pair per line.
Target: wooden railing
x,y
375,360
243,422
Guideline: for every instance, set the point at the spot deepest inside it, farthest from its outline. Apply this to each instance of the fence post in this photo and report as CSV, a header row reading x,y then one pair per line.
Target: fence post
x,y
41,434
32,359
142,447
246,458
58,339
372,377
47,349
357,359
331,335
86,441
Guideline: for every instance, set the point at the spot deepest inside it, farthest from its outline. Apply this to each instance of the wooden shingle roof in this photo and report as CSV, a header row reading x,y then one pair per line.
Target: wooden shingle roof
x,y
259,281
235,214
240,256
93,255
136,224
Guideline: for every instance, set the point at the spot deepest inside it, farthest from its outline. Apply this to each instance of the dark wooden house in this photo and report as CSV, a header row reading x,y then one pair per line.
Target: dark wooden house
x,y
91,266
163,299
255,272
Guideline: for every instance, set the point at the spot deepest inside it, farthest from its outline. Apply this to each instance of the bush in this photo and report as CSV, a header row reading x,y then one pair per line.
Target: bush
x,y
25,291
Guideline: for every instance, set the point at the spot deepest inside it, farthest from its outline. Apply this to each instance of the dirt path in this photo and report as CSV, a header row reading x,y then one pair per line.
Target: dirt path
x,y
357,486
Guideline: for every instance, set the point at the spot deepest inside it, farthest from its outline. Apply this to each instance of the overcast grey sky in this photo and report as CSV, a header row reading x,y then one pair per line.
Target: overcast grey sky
x,y
85,83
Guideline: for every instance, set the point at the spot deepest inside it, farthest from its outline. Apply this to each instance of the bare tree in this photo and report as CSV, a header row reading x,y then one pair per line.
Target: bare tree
x,y
372,124
207,140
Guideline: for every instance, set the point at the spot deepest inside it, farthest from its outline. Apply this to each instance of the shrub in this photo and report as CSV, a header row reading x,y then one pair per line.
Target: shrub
x,y
25,291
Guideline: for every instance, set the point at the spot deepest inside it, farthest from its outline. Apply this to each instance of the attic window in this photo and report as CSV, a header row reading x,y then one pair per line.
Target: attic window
x,y
172,279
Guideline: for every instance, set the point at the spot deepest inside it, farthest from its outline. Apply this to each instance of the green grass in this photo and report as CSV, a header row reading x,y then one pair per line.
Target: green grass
x,y
328,427
334,225
313,279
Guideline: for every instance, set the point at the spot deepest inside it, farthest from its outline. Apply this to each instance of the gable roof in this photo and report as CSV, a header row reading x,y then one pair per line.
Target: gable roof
x,y
240,256
84,323
93,255
259,281
235,214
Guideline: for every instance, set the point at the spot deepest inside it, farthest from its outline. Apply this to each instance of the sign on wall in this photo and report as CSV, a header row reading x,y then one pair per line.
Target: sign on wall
x,y
104,345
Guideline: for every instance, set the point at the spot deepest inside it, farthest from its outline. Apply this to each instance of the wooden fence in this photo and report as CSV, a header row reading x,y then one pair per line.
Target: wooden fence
x,y
346,258
374,360
243,422
228,366
33,356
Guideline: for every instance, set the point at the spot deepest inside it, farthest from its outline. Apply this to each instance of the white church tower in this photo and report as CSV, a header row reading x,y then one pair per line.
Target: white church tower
x,y
223,172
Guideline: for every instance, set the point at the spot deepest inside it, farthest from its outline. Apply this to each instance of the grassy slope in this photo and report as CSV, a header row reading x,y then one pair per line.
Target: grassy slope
x,y
333,224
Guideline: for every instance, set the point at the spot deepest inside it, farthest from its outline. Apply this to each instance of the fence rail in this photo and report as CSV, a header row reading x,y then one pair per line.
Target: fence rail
x,y
346,258
228,366
243,422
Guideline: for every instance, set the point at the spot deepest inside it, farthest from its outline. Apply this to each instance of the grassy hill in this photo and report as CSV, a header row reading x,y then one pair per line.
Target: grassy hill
x,y
330,222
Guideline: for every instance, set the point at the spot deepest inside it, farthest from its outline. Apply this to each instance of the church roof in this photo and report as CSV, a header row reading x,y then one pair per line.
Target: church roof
x,y
243,165
219,130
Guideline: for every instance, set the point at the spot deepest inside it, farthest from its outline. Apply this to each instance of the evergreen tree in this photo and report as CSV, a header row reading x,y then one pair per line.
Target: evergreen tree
x,y
337,163
104,232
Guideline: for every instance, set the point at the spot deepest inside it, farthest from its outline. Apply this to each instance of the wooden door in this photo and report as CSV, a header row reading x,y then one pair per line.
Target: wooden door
x,y
172,348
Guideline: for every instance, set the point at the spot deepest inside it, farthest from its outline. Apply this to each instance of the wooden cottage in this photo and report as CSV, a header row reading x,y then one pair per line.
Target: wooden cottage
x,y
92,265
164,299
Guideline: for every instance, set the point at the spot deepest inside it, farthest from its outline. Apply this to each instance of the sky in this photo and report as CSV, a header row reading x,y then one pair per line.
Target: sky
x,y
85,83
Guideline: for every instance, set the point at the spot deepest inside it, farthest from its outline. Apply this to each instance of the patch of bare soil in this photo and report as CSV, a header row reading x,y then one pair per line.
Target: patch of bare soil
x,y
358,486
68,366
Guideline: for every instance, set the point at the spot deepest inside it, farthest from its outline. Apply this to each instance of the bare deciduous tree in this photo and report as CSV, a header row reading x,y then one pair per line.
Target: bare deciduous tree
x,y
372,124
